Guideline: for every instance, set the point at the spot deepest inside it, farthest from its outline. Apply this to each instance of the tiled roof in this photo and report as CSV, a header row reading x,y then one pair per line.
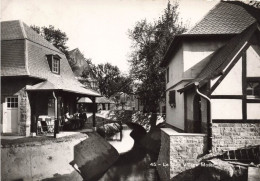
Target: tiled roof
x,y
65,85
9,71
33,36
11,30
221,58
224,18
15,30
25,54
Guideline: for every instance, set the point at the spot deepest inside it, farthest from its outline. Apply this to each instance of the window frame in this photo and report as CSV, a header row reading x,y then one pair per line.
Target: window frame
x,y
172,98
55,65
252,96
12,102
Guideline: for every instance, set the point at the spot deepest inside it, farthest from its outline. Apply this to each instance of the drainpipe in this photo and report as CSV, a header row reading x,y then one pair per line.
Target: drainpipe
x,y
210,120
56,106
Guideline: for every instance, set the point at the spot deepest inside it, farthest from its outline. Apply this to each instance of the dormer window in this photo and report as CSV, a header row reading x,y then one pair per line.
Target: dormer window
x,y
56,66
54,63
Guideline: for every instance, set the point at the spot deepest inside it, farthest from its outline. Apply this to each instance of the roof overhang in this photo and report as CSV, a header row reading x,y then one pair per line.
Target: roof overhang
x,y
23,76
188,87
64,90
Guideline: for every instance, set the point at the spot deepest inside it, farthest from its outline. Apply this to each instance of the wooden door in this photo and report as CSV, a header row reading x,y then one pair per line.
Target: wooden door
x,y
10,115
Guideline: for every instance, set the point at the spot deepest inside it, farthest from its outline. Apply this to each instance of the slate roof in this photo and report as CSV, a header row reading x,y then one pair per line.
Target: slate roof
x,y
224,18
24,53
15,30
221,58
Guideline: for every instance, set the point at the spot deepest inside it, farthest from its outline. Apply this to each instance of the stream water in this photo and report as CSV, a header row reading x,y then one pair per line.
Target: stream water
x,y
134,165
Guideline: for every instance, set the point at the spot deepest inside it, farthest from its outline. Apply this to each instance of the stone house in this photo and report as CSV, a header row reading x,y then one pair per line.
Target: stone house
x,y
36,80
212,89
213,77
79,64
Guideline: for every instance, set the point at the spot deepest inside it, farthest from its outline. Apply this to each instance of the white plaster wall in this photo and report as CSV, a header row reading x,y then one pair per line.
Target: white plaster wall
x,y
175,69
226,109
195,51
232,83
175,115
253,110
253,62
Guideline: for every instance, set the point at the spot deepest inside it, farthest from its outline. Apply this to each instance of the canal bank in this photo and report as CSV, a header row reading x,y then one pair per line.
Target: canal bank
x,y
68,158
80,156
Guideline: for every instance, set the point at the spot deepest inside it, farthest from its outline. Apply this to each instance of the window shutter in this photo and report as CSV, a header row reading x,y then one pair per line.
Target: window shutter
x,y
172,100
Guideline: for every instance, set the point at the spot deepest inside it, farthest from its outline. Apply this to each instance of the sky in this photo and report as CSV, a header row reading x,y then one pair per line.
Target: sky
x,y
99,28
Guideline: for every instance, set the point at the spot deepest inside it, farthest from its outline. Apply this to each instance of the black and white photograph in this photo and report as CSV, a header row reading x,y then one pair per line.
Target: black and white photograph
x,y
130,90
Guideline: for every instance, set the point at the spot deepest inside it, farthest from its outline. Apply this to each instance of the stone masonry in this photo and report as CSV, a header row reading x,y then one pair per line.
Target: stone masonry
x,y
230,136
179,152
25,114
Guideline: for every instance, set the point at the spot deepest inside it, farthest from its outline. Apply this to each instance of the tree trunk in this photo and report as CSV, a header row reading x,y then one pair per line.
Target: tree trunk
x,y
153,120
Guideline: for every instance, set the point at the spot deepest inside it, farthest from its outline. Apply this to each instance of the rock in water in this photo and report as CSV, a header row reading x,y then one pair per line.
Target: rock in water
x,y
93,156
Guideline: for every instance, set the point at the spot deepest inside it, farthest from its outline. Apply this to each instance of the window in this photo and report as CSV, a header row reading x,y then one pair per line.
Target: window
x,y
12,102
54,63
56,66
172,100
167,75
253,89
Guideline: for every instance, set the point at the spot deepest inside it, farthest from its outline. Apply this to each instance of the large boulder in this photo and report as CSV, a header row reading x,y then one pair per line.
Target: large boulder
x,y
93,156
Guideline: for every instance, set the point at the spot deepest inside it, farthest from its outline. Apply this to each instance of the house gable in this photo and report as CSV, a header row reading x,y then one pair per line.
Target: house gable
x,y
232,83
253,61
196,50
238,94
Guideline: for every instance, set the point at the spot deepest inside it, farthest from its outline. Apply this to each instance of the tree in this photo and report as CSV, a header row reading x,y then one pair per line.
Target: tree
x,y
54,36
150,43
109,78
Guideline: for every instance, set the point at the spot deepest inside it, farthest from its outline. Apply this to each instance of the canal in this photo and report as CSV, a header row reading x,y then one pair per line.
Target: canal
x,y
133,164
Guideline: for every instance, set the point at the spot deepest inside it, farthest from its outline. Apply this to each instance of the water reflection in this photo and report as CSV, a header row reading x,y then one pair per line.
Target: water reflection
x,y
133,166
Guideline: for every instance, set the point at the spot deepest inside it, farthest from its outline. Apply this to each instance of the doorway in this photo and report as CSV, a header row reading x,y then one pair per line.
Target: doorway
x,y
197,114
10,117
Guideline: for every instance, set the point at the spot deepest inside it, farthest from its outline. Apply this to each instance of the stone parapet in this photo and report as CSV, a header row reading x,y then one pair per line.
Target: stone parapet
x,y
179,152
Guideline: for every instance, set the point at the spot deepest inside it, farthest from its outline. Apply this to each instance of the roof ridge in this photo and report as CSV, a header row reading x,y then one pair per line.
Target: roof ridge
x,y
52,47
22,28
25,47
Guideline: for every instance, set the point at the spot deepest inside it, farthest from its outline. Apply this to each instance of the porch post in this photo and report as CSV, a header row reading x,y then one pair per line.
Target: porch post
x,y
56,121
94,113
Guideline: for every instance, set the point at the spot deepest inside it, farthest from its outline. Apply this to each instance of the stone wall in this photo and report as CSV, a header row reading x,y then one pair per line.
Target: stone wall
x,y
53,159
38,160
229,136
24,125
179,152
